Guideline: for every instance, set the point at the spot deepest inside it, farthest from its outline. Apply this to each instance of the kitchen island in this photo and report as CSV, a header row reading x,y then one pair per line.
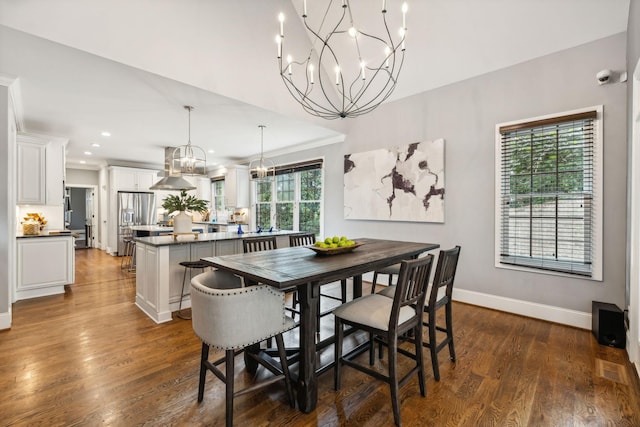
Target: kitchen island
x,y
159,274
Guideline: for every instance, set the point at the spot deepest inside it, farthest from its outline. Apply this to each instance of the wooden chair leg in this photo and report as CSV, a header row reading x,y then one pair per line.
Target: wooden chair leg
x,y
375,280
338,354
204,356
449,317
393,379
285,369
343,290
433,346
419,360
229,376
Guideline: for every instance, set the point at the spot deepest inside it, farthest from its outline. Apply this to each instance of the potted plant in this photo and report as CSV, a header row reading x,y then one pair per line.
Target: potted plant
x,y
181,207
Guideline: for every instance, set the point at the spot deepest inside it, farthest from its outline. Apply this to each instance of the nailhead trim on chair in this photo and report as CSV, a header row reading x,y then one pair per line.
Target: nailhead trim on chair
x,y
212,291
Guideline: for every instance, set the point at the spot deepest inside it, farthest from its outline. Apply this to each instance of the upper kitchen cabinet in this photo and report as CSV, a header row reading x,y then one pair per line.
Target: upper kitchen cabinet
x,y
236,187
40,169
203,186
132,179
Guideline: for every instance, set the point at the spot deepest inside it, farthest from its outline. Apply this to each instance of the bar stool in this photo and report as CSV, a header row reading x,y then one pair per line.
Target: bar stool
x,y
188,266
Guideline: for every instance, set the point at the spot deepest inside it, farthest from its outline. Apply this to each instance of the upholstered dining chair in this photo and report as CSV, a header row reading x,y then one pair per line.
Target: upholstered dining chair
x,y
440,295
385,320
219,318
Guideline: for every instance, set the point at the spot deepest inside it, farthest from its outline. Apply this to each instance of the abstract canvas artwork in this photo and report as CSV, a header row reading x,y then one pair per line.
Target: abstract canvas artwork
x,y
405,183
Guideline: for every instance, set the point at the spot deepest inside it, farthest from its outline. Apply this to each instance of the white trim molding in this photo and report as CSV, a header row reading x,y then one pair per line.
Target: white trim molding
x,y
549,313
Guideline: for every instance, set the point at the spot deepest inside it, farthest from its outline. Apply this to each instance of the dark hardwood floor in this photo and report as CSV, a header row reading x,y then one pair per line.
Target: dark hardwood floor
x,y
91,357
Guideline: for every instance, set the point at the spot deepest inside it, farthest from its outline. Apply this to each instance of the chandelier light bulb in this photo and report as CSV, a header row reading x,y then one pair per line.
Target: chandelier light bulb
x,y
281,19
279,43
337,74
311,73
353,32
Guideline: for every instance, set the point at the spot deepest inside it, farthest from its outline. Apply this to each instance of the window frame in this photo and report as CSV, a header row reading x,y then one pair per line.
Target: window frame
x,y
285,169
598,206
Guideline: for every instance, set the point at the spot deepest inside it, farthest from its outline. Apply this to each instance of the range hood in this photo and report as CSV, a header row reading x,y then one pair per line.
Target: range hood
x,y
171,182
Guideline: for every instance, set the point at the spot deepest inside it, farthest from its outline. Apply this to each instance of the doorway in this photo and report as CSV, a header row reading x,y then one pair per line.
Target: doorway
x,y
79,214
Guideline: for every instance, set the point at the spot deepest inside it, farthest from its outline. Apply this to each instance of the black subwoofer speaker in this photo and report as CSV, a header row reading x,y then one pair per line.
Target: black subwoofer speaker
x,y
607,324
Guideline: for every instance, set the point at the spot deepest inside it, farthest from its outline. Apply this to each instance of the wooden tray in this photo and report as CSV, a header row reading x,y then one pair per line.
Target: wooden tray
x,y
334,251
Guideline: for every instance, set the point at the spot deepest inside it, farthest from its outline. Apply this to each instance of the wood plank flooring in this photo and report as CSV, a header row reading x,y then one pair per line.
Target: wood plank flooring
x,y
91,357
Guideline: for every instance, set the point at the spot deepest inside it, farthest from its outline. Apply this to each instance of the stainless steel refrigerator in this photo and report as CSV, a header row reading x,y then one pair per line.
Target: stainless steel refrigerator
x,y
134,208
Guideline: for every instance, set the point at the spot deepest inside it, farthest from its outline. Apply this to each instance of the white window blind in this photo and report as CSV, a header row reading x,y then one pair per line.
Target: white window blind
x,y
546,189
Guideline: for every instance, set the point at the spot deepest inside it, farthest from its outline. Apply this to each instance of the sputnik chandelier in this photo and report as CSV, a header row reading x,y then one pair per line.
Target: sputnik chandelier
x,y
348,71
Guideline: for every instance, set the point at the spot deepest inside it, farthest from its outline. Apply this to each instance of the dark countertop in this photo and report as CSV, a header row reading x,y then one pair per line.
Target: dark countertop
x,y
47,234
206,237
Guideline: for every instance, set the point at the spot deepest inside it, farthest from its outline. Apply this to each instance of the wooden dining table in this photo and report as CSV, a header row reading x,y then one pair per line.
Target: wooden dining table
x,y
301,268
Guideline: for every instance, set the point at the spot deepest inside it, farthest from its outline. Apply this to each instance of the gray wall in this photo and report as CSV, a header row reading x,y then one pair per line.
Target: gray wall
x,y
465,115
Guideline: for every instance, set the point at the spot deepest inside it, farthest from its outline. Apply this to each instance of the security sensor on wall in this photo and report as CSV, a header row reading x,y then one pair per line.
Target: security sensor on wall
x,y
608,76
603,76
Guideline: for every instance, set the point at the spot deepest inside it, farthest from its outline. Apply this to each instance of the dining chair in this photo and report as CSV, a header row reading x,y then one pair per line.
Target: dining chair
x,y
257,244
392,270
307,239
266,243
385,320
440,295
219,319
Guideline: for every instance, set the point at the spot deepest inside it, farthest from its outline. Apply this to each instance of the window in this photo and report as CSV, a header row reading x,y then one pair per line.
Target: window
x,y
293,201
548,193
217,194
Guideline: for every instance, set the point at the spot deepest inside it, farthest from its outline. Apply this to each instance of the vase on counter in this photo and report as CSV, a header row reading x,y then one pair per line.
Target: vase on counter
x,y
182,223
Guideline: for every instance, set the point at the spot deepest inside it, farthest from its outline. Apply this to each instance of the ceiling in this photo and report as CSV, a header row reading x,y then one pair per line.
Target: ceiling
x,y
129,66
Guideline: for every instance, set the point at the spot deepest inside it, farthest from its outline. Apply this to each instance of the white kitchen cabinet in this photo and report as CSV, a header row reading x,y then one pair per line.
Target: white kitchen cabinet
x,y
132,179
203,187
40,169
31,173
236,187
45,266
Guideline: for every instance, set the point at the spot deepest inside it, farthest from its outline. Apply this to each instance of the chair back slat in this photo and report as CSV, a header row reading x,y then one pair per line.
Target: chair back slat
x,y
411,289
302,239
445,273
258,244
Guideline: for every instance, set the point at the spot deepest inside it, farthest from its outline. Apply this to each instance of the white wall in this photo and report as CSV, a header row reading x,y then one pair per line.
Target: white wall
x,y
7,235
465,115
80,177
633,126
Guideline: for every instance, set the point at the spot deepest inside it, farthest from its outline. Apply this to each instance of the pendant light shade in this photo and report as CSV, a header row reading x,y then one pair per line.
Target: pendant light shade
x,y
262,169
188,159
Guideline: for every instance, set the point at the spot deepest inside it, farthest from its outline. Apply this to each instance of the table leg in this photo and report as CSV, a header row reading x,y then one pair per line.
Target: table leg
x,y
357,286
307,381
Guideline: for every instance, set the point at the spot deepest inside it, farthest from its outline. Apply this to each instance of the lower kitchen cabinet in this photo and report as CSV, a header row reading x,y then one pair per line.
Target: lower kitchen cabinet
x,y
45,266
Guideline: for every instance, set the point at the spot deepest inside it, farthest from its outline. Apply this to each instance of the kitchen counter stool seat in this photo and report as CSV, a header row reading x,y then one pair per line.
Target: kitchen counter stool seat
x,y
188,266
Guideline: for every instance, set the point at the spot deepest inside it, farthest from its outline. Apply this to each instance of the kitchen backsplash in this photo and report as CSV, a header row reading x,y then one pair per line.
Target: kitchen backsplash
x,y
53,214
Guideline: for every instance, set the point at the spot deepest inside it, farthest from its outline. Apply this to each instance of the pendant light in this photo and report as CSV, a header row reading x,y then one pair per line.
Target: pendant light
x,y
188,159
262,169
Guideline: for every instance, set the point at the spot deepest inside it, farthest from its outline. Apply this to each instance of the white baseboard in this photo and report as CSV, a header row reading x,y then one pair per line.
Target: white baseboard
x,y
5,320
550,313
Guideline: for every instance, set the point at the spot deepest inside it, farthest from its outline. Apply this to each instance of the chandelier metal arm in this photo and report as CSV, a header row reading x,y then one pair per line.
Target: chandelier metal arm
x,y
356,94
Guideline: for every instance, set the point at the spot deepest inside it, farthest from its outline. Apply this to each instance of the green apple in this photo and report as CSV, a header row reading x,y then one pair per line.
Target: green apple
x,y
336,239
328,240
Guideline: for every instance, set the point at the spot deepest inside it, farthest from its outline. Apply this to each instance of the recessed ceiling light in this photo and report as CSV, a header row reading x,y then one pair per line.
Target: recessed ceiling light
x,y
105,133
88,153
95,144
212,151
82,162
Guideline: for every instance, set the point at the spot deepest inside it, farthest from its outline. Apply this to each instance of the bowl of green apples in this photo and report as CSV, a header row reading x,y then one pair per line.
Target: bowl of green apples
x,y
334,245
